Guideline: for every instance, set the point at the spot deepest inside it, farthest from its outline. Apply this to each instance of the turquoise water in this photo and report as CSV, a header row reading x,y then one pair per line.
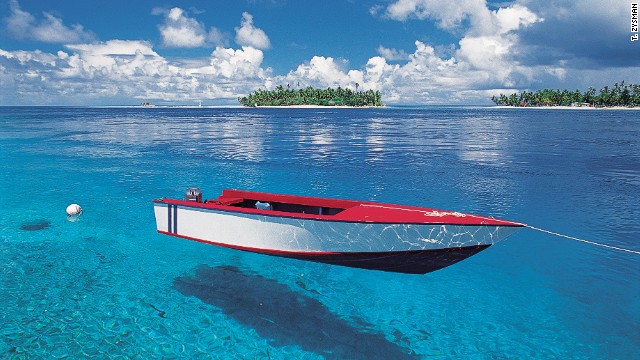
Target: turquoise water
x,y
109,286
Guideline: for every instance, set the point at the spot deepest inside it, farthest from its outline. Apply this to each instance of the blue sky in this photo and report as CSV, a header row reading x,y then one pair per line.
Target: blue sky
x,y
413,51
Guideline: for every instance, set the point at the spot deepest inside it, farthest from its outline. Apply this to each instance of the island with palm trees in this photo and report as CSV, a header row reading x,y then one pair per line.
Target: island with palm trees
x,y
282,96
620,95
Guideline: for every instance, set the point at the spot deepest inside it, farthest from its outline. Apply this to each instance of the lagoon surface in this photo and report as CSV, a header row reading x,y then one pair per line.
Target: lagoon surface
x,y
109,286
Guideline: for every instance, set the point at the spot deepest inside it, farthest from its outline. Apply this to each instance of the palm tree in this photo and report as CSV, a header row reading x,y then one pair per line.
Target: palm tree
x,y
340,96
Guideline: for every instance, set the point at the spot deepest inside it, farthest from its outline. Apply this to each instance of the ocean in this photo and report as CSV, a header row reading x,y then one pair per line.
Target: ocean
x,y
109,286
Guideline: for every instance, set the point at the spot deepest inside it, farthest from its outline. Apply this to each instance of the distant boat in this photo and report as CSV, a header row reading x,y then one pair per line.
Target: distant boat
x,y
146,104
358,234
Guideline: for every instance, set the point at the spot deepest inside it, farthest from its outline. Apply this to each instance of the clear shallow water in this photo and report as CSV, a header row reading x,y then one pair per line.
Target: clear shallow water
x,y
108,285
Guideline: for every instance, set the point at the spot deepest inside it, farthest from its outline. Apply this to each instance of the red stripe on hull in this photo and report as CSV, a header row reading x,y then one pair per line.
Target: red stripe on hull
x,y
408,262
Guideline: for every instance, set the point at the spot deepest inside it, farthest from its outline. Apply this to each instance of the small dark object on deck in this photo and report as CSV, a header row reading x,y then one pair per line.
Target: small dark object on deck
x,y
36,225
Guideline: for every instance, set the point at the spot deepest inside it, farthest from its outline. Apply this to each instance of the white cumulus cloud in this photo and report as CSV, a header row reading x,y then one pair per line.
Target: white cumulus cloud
x,y
514,17
238,64
323,71
112,61
23,25
116,47
249,35
392,54
126,72
449,14
486,56
179,30
483,59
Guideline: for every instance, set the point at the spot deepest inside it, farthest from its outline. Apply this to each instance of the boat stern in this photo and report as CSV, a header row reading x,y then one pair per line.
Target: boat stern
x,y
164,214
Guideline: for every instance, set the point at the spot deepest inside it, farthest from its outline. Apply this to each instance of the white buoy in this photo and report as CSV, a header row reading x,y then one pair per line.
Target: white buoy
x,y
73,212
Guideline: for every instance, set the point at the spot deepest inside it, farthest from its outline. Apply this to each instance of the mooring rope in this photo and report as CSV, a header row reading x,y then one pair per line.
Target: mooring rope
x,y
582,240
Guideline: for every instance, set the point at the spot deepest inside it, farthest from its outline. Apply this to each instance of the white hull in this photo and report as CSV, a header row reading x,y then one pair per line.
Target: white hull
x,y
287,234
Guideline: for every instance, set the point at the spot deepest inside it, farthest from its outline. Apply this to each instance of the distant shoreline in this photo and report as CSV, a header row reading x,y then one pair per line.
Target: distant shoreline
x,y
566,107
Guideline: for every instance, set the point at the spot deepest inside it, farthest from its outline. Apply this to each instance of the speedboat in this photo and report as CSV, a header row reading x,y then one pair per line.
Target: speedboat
x,y
359,234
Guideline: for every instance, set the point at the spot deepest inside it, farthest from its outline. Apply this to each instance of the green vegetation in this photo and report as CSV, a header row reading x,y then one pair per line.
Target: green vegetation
x,y
620,95
310,96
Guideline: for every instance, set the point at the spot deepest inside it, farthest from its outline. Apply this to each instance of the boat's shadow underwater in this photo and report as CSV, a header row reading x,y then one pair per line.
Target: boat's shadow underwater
x,y
283,316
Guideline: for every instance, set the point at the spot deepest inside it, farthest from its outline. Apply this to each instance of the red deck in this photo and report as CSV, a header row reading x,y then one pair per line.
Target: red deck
x,y
326,209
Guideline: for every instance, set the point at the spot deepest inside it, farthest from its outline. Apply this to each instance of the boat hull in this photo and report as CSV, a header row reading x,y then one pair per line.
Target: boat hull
x,y
408,262
397,247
